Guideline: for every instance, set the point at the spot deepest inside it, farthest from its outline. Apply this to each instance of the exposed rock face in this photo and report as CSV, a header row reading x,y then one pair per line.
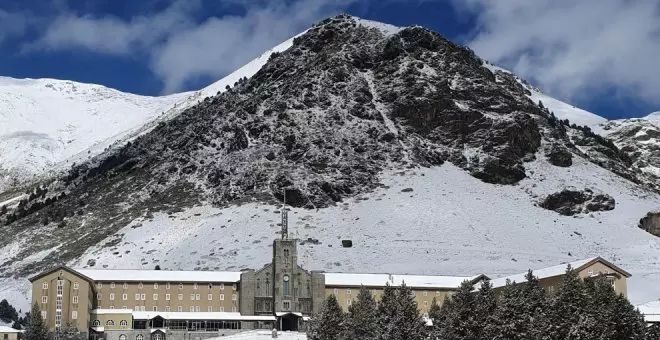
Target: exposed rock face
x,y
559,156
651,223
317,123
570,202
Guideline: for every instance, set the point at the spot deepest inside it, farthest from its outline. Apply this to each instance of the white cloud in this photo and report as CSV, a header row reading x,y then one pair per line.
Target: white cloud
x,y
573,49
180,50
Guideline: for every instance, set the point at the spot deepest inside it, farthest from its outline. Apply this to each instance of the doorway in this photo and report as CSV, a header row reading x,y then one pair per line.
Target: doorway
x,y
289,322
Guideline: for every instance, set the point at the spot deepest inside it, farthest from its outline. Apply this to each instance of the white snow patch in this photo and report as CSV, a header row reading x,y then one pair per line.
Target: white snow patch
x,y
386,29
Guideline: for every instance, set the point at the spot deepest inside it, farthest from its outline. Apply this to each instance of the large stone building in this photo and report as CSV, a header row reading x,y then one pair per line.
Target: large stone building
x,y
156,305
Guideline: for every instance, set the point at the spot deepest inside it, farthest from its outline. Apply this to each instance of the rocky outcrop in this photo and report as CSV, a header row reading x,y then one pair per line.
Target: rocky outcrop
x,y
570,202
651,223
559,156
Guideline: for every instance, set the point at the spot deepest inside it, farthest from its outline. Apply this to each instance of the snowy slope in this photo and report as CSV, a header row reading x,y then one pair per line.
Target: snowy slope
x,y
450,224
47,124
653,118
45,121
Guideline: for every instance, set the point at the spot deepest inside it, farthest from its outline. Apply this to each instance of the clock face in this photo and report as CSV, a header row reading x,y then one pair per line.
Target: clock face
x,y
286,278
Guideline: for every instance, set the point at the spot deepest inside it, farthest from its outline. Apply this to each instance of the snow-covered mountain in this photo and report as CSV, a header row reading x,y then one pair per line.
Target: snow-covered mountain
x,y
428,159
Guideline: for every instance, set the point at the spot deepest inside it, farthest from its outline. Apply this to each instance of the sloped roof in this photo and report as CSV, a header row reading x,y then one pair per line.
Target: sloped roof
x,y
651,311
557,270
62,267
380,280
201,316
139,275
5,329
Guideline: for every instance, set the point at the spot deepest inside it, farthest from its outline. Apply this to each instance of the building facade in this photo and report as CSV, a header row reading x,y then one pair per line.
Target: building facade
x,y
157,305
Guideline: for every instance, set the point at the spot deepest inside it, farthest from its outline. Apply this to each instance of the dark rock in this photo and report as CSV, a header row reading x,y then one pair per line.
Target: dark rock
x,y
346,243
407,190
651,223
570,202
559,156
91,262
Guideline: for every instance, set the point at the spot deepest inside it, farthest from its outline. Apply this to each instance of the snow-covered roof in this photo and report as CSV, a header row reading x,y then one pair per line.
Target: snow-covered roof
x,y
380,280
549,271
121,275
111,311
651,311
201,316
5,329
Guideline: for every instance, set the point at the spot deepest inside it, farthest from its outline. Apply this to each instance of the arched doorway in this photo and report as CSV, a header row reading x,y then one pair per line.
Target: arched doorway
x,y
289,322
158,335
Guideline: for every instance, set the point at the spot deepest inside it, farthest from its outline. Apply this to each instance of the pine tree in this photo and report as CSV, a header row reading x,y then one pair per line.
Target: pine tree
x,y
387,311
485,306
362,317
69,331
653,332
566,306
405,323
459,315
329,323
36,329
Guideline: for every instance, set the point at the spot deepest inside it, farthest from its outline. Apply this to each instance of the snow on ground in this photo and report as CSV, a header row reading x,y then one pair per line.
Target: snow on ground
x,y
386,29
263,335
653,118
450,224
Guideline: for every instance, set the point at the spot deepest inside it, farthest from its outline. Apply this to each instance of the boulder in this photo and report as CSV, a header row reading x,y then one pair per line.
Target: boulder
x,y
570,202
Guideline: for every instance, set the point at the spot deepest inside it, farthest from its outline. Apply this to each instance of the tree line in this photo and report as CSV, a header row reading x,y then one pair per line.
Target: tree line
x,y
578,309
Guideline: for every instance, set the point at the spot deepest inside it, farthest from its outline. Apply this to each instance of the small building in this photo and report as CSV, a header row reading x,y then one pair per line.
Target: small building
x,y
551,277
8,333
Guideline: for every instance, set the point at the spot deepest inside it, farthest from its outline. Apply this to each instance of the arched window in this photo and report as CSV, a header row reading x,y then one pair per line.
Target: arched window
x,y
123,323
110,323
139,337
122,337
96,323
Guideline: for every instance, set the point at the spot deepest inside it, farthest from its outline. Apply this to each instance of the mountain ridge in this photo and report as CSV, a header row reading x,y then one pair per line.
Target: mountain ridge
x,y
346,119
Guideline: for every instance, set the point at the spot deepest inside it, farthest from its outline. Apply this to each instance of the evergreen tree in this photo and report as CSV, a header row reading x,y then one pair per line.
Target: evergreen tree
x,y
7,312
405,323
387,311
459,316
653,332
362,317
566,306
329,323
69,331
36,329
485,306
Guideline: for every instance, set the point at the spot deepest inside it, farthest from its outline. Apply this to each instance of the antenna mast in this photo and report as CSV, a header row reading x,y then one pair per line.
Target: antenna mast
x,y
285,218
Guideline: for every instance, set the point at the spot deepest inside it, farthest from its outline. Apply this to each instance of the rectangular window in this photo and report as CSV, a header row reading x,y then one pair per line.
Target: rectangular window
x,y
141,308
197,309
143,296
167,297
348,291
210,286
167,308
99,285
192,297
44,299
98,296
125,285
155,308
45,285
75,299
75,285
112,296
222,286
210,309
140,285
233,309
155,297
233,297
210,297
179,308
74,315
137,308
195,286
156,285
348,302
192,308
197,297
222,297
124,296
137,296
426,293
167,285
286,305
222,309
335,291
43,314
180,297
112,285
180,285
437,293
233,286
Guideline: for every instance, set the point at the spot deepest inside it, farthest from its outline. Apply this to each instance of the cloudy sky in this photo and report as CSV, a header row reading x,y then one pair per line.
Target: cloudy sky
x,y
597,54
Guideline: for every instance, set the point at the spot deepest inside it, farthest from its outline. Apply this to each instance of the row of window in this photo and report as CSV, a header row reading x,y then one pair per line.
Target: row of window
x,y
167,285
44,299
142,296
348,292
75,284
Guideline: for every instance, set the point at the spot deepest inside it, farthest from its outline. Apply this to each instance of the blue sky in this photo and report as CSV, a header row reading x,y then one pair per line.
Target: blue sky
x,y
597,54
